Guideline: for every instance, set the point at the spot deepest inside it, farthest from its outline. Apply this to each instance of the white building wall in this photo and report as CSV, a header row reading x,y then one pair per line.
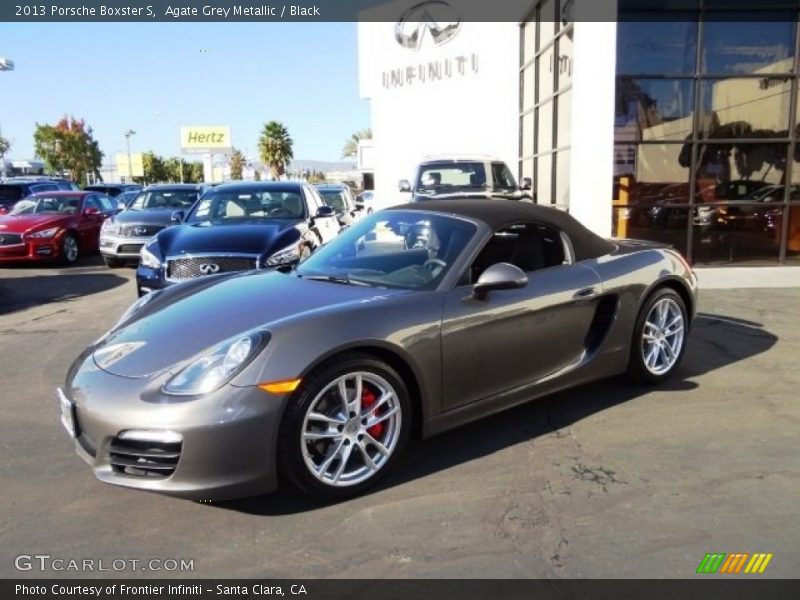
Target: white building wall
x,y
473,110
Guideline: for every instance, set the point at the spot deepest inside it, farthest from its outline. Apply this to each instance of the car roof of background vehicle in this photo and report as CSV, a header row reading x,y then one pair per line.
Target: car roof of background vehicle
x,y
244,186
459,158
498,213
332,186
190,187
63,193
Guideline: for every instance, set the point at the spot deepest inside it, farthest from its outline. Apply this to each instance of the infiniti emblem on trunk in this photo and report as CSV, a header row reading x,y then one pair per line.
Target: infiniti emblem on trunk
x,y
209,268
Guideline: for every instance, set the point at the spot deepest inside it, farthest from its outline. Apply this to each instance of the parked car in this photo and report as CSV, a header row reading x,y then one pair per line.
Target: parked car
x,y
15,189
457,177
124,235
366,200
339,197
222,386
57,225
125,199
235,227
113,189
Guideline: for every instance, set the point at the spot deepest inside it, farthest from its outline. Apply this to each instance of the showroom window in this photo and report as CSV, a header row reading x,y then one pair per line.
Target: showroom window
x,y
545,102
707,130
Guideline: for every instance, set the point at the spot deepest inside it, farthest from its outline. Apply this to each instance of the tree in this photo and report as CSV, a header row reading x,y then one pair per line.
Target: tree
x,y
155,170
351,145
193,172
68,146
257,175
5,146
275,147
237,164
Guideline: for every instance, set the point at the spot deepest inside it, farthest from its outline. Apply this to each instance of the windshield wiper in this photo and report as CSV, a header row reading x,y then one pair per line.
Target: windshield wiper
x,y
334,279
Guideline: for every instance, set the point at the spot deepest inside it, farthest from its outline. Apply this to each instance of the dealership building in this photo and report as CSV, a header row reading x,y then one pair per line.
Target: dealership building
x,y
681,128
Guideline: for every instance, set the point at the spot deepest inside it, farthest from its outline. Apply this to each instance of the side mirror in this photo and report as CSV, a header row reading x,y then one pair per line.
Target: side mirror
x,y
526,183
500,276
177,216
325,211
404,185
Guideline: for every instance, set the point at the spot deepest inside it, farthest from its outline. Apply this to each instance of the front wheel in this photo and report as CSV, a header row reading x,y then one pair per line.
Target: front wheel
x,y
659,338
69,249
344,427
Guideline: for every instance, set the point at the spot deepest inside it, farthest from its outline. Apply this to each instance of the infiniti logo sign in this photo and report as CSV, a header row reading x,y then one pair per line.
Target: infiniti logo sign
x,y
436,17
209,268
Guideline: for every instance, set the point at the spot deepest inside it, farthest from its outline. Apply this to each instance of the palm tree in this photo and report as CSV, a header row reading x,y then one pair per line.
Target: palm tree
x,y
351,145
5,146
275,147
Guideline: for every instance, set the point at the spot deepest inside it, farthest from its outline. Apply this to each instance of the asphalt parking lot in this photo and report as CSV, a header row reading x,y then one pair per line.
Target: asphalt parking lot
x,y
608,480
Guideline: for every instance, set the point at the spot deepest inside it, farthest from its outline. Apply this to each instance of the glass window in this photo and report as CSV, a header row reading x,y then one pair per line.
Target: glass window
x,y
564,119
736,232
164,199
755,108
548,22
545,127
793,233
528,80
502,177
666,224
249,204
763,163
562,178
546,74
647,174
544,179
527,134
653,109
746,42
528,41
656,48
526,169
565,59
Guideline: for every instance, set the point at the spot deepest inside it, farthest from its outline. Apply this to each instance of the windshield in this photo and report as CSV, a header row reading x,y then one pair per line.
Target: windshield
x,y
55,205
446,177
395,249
335,199
164,199
232,205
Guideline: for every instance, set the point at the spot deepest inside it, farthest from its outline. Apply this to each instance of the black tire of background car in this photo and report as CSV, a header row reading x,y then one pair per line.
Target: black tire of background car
x,y
113,263
290,458
64,259
636,368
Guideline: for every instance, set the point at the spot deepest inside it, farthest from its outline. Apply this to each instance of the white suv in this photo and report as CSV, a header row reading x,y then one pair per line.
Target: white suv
x,y
457,176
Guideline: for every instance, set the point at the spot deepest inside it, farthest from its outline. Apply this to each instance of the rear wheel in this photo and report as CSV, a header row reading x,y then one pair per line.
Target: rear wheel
x,y
345,428
659,338
69,249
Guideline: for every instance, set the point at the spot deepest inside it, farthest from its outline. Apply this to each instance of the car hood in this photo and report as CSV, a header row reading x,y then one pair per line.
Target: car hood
x,y
145,217
23,223
176,326
421,197
250,238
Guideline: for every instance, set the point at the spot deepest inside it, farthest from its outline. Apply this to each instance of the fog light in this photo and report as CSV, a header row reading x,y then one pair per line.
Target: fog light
x,y
44,250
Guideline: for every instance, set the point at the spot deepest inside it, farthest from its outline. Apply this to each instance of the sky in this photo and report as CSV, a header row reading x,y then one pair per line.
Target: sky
x,y
154,77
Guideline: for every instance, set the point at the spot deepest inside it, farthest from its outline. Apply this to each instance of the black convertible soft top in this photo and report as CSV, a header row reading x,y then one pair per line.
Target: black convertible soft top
x,y
498,213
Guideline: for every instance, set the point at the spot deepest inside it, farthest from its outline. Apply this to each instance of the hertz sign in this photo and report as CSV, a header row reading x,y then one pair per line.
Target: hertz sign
x,y
206,139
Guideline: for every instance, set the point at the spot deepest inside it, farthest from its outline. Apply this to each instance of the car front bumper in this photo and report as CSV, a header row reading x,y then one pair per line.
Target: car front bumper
x,y
123,248
32,250
227,438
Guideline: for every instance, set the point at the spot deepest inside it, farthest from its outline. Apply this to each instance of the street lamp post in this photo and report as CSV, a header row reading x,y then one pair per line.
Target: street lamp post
x,y
5,65
128,135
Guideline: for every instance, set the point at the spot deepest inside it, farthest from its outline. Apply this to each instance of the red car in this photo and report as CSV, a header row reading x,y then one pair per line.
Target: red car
x,y
53,226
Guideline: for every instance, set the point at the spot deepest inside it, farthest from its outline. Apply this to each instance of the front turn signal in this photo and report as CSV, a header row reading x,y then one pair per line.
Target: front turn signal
x,y
280,387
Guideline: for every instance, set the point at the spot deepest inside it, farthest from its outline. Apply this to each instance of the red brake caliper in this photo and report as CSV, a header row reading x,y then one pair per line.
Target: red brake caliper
x,y
368,400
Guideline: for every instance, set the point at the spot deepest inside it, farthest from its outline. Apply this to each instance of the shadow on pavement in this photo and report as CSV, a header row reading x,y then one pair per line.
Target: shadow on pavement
x,y
715,342
19,293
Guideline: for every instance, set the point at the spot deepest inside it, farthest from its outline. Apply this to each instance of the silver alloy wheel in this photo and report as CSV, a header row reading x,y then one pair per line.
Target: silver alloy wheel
x,y
351,429
70,249
662,337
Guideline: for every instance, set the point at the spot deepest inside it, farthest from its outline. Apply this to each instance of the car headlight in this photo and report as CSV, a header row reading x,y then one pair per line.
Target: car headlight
x,y
148,259
216,366
285,256
45,233
107,226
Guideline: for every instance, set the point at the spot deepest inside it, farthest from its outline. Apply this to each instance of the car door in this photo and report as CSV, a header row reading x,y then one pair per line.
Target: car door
x,y
518,337
326,227
89,222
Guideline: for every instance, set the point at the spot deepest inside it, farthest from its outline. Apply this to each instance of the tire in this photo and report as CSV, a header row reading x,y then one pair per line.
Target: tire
x,y
69,249
331,438
113,263
658,346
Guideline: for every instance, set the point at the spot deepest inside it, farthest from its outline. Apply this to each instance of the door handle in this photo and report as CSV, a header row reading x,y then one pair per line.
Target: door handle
x,y
585,294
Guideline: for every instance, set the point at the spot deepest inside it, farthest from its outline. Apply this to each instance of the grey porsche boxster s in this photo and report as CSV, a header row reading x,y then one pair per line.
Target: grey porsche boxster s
x,y
415,320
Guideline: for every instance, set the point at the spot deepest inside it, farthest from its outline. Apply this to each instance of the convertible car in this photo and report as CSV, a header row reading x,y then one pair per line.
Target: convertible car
x,y
414,320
